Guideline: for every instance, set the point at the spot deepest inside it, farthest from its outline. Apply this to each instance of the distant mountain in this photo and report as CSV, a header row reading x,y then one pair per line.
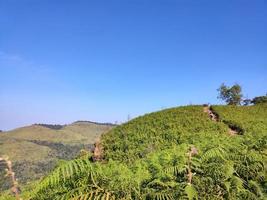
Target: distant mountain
x,y
35,150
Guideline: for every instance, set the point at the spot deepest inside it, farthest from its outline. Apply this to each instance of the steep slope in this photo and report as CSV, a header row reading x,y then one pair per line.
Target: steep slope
x,y
36,149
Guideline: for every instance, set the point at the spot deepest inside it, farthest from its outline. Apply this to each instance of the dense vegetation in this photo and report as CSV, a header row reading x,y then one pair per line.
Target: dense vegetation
x,y
260,99
52,126
158,131
96,123
251,119
172,154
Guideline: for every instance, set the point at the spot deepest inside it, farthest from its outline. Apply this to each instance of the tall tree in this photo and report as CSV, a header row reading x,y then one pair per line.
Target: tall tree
x,y
231,95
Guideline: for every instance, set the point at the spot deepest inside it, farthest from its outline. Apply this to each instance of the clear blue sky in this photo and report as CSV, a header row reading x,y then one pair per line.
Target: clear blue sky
x,y
67,60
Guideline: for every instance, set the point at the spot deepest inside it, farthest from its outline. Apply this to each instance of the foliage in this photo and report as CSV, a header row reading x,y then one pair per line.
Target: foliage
x,y
158,131
260,99
52,126
231,95
218,174
251,119
148,158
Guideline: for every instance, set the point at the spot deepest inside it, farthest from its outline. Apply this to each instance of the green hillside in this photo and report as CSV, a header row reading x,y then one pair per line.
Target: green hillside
x,y
250,119
158,131
178,153
35,150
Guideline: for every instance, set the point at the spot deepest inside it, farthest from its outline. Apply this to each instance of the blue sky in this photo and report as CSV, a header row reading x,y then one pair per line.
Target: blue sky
x,y
62,61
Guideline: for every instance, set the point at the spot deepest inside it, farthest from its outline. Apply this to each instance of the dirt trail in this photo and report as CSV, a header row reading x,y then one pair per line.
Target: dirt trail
x,y
232,131
212,116
215,118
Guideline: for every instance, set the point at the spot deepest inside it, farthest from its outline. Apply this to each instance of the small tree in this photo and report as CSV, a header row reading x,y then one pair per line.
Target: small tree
x,y
260,99
231,95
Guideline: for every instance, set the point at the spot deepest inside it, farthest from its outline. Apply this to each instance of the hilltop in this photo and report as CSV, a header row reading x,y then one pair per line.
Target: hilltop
x,y
177,153
36,149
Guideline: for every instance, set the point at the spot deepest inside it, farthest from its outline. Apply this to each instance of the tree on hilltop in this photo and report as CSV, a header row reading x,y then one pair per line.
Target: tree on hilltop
x,y
231,95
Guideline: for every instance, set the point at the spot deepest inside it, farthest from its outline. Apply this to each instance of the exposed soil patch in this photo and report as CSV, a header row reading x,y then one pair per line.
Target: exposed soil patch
x,y
211,114
235,128
232,131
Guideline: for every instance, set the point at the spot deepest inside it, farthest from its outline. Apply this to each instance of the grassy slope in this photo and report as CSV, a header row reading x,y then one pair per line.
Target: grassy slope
x,y
252,119
35,149
160,130
148,156
23,150
189,124
88,131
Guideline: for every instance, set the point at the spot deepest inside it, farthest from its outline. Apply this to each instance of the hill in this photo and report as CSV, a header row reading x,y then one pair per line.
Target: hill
x,y
189,152
36,149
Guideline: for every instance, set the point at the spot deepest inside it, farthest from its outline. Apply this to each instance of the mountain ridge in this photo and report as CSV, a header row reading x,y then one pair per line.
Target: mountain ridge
x,y
59,126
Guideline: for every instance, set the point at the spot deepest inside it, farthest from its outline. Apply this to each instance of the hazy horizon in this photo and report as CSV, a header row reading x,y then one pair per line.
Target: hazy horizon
x,y
101,61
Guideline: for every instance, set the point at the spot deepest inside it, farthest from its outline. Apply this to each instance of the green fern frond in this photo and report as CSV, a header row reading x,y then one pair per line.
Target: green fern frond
x,y
160,196
95,195
66,171
238,183
191,192
157,183
216,152
255,188
175,170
